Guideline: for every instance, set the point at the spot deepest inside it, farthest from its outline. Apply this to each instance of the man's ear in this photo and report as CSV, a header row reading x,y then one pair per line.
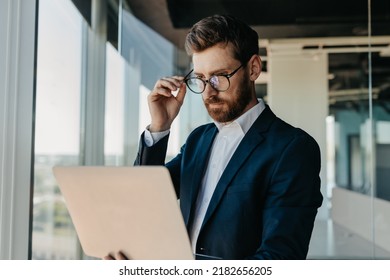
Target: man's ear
x,y
254,67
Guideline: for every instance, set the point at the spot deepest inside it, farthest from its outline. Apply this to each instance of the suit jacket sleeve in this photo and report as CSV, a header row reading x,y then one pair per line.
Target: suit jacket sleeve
x,y
154,155
293,198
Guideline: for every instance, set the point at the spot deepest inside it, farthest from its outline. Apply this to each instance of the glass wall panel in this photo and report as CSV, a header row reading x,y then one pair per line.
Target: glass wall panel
x,y
381,115
379,68
114,107
359,153
349,104
57,131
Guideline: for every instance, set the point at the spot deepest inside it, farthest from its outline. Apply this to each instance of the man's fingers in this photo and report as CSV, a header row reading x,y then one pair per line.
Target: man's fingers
x,y
166,88
108,257
161,91
120,256
182,93
171,83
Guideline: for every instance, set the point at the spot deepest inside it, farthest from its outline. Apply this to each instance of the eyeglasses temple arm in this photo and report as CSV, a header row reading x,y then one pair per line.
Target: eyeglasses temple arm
x,y
186,76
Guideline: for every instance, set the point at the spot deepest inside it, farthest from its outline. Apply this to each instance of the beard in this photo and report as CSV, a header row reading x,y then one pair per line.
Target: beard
x,y
231,108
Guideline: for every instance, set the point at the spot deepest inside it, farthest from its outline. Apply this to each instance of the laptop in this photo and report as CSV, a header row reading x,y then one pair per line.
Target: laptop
x,y
129,209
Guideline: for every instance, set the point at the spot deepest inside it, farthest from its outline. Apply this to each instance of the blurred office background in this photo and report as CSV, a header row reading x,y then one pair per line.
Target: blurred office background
x,y
74,76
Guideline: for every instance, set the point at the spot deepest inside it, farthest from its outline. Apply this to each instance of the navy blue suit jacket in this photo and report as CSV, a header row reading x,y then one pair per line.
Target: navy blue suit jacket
x,y
266,200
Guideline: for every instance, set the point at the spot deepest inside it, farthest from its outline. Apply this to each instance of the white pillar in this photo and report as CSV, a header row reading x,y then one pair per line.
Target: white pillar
x,y
17,51
94,84
298,94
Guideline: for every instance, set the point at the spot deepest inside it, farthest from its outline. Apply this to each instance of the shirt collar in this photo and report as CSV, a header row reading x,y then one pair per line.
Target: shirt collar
x,y
246,120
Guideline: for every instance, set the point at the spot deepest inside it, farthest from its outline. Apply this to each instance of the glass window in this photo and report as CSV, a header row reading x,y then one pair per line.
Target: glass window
x,y
57,131
114,107
151,56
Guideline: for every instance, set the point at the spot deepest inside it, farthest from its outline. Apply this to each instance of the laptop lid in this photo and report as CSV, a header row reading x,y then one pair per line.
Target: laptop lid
x,y
128,209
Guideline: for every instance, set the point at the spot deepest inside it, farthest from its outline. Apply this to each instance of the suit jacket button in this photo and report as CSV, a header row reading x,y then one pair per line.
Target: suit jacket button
x,y
202,249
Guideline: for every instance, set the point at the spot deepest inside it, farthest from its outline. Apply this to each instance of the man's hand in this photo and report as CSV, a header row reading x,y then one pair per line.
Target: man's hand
x,y
118,256
163,105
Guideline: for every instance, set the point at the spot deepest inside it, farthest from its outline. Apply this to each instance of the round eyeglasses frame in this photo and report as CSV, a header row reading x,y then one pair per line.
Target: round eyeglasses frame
x,y
209,81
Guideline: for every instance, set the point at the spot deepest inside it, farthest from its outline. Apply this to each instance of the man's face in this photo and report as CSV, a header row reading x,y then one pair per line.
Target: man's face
x,y
228,105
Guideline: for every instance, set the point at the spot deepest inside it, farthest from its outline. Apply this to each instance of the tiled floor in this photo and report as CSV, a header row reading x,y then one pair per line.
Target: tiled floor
x,y
332,241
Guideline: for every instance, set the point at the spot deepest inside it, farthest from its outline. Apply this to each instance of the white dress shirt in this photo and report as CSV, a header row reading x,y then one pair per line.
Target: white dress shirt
x,y
225,144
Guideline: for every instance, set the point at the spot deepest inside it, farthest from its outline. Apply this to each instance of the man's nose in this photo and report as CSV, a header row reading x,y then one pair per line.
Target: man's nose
x,y
209,91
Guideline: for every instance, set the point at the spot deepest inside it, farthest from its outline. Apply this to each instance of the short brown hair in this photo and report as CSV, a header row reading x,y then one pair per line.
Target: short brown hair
x,y
216,29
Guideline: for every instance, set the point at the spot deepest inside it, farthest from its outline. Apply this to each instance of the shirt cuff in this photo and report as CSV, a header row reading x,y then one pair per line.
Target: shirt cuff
x,y
152,138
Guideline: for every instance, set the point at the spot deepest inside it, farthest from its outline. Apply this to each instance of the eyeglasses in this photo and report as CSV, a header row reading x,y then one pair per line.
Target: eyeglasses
x,y
219,82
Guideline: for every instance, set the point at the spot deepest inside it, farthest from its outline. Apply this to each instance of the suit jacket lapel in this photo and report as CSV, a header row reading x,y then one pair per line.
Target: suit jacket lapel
x,y
202,155
250,141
